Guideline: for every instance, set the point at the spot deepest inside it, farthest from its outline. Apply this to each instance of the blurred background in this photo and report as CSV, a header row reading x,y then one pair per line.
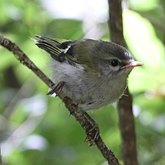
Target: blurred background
x,y
37,129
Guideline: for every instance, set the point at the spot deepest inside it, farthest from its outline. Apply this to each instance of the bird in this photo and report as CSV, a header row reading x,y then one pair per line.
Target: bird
x,y
94,73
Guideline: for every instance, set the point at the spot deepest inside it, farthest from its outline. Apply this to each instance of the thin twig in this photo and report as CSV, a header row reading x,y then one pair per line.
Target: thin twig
x,y
86,122
126,118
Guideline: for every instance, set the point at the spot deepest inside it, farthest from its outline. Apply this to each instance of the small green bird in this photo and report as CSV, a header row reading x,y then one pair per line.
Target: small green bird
x,y
94,72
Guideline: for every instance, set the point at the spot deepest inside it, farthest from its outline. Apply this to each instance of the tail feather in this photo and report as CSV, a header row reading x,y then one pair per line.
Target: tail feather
x,y
51,46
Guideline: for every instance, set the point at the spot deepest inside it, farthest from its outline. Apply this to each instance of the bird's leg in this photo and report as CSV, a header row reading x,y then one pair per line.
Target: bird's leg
x,y
57,89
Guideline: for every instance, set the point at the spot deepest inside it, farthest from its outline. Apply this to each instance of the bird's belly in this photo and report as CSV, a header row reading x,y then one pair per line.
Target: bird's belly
x,y
87,91
90,95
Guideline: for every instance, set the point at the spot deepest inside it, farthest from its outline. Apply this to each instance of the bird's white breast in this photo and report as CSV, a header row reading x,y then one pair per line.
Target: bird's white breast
x,y
87,90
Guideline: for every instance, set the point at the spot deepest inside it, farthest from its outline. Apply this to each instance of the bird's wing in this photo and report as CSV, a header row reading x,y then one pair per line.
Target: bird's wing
x,y
75,52
51,46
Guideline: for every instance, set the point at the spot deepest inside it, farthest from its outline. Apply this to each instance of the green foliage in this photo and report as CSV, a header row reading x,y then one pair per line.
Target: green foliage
x,y
39,128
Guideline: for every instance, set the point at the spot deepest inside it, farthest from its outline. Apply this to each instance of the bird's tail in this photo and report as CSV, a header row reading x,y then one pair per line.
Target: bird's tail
x,y
51,46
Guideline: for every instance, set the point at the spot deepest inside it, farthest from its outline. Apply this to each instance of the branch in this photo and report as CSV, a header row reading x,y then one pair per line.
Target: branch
x,y
126,118
86,122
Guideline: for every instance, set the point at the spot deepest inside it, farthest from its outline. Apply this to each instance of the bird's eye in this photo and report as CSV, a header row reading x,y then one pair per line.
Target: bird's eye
x,y
114,62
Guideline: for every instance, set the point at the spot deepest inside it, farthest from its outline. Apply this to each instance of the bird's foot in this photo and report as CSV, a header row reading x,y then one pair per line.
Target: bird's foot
x,y
57,89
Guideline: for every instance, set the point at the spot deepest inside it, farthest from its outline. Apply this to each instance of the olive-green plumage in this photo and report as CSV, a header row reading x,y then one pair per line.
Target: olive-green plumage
x,y
95,72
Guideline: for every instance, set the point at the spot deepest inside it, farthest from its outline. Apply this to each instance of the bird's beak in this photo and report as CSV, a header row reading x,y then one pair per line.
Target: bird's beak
x,y
132,64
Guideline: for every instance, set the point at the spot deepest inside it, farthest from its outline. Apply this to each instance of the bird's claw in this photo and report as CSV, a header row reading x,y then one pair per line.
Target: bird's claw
x,y
57,89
